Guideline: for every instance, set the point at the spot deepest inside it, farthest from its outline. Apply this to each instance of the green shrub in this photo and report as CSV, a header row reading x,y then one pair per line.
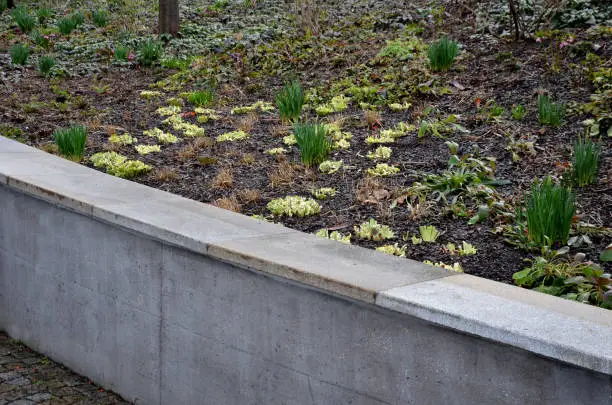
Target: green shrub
x,y
19,54
550,113
290,101
45,64
442,54
3,5
202,98
24,20
549,213
44,14
121,53
149,52
71,141
586,162
99,17
313,143
66,25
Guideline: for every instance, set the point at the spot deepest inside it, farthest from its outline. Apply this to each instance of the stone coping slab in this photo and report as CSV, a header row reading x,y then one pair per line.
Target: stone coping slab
x,y
549,326
570,332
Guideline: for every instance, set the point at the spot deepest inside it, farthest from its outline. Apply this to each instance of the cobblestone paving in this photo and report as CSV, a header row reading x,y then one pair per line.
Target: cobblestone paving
x,y
29,378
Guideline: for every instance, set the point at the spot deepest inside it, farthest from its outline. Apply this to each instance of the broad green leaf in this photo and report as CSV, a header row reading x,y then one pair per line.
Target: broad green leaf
x,y
606,255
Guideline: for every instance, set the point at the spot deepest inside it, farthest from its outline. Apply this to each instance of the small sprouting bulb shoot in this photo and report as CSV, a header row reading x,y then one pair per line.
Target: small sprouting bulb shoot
x,y
429,233
334,235
456,267
549,112
518,112
324,193
394,250
372,230
465,249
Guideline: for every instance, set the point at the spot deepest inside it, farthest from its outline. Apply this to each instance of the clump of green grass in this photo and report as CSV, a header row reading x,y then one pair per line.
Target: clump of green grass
x,y
549,112
43,14
45,64
149,52
71,141
586,162
66,25
3,5
313,143
99,17
549,212
121,53
19,54
24,20
290,101
202,98
442,54
78,18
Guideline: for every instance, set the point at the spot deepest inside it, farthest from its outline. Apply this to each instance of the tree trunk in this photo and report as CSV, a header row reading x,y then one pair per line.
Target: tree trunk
x,y
10,4
168,17
515,19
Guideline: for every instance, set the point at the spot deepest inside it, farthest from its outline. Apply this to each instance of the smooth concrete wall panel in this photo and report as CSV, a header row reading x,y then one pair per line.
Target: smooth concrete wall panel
x,y
82,292
258,340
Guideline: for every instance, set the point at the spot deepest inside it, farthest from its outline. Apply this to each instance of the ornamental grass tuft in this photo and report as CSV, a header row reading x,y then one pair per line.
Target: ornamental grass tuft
x,y
149,52
442,54
24,20
45,64
19,54
549,211
586,162
290,101
202,98
549,112
313,143
99,17
71,141
66,25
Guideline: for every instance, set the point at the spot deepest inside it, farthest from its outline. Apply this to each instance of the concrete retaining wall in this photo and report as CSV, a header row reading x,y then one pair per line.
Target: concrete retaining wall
x,y
168,301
